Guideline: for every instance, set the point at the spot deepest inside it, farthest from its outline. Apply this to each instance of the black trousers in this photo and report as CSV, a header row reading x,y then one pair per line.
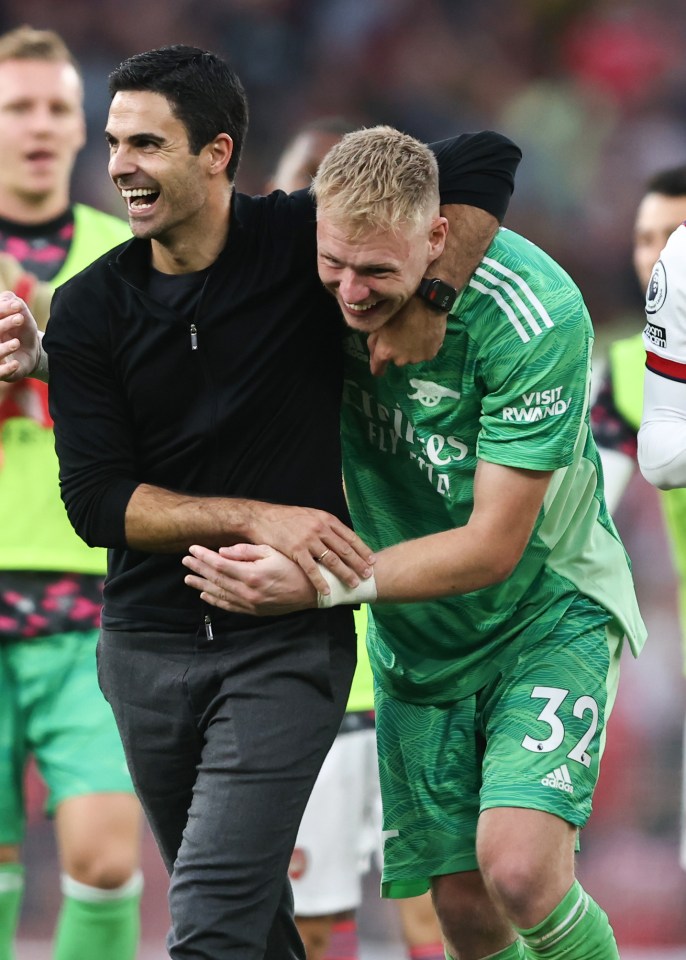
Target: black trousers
x,y
224,741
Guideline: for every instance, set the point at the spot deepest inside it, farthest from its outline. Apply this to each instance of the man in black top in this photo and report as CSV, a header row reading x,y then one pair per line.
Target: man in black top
x,y
195,387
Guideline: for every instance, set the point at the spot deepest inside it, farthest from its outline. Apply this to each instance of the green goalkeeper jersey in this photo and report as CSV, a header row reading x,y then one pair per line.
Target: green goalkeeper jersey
x,y
510,385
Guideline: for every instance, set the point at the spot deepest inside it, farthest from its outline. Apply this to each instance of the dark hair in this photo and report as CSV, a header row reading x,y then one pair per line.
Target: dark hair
x,y
203,91
670,183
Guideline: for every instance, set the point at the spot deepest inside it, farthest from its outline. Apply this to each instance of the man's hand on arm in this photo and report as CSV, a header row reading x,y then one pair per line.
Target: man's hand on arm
x,y
21,353
507,502
161,521
314,539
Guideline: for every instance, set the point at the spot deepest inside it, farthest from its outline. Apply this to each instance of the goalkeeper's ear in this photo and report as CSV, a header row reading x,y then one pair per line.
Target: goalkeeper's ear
x,y
35,293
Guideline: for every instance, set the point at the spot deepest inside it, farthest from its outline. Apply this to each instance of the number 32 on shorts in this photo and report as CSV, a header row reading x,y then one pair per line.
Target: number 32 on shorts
x,y
549,715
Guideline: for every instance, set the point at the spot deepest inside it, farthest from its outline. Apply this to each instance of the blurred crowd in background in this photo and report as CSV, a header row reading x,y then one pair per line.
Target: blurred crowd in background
x,y
594,92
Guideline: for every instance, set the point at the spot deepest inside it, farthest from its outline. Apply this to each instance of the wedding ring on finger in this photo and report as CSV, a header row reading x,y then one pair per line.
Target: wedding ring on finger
x,y
322,555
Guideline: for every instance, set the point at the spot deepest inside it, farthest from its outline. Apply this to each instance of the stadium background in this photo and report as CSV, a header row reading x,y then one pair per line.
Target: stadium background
x,y
594,91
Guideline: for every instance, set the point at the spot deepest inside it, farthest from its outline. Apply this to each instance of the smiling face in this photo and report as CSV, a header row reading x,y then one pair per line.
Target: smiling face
x,y
374,273
42,129
167,189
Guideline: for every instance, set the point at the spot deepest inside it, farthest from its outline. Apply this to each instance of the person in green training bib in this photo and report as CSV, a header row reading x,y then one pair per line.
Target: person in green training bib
x,y
51,707
502,593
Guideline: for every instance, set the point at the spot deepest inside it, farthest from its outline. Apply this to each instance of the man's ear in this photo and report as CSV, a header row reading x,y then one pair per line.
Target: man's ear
x,y
219,153
437,236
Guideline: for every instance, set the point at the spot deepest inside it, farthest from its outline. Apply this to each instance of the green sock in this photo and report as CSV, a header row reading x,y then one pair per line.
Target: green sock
x,y
514,952
577,929
98,923
11,890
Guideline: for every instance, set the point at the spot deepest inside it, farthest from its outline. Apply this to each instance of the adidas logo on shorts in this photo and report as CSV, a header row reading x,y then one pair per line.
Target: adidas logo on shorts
x,y
559,779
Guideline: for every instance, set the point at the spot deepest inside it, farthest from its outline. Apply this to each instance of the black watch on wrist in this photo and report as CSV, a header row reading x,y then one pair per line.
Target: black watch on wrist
x,y
438,294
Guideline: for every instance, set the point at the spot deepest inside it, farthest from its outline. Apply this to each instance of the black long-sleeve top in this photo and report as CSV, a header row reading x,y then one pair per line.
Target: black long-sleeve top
x,y
251,412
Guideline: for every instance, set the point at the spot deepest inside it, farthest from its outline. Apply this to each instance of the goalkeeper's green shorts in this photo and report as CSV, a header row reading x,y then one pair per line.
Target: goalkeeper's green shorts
x,y
531,738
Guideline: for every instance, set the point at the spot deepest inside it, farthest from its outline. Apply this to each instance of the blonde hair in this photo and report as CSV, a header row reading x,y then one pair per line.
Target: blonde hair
x,y
377,177
26,43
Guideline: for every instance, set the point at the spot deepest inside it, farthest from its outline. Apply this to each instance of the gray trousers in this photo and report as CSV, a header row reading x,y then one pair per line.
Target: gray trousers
x,y
224,740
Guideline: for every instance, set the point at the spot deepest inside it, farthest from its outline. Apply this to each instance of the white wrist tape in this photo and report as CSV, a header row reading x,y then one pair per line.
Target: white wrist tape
x,y
364,592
